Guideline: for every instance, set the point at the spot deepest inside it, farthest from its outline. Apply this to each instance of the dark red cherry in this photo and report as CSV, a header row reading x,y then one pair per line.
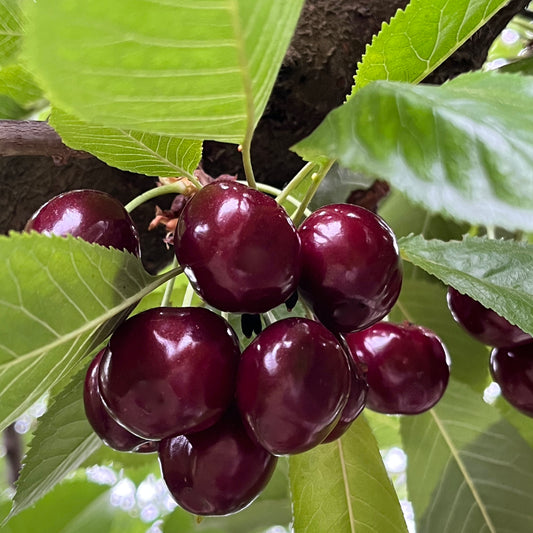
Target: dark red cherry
x,y
353,408
292,385
512,369
94,216
170,371
110,431
484,324
407,367
351,270
238,247
217,471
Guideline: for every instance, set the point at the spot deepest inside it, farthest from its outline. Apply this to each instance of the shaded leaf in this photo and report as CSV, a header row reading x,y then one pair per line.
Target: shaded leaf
x,y
70,295
464,149
496,273
17,83
134,151
424,303
419,38
468,470
197,69
343,487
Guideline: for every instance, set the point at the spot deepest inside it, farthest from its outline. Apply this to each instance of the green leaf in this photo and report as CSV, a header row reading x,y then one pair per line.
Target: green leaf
x,y
419,38
343,487
62,441
197,69
18,83
386,429
468,470
496,273
75,506
135,151
464,149
11,29
424,303
59,299
10,110
520,66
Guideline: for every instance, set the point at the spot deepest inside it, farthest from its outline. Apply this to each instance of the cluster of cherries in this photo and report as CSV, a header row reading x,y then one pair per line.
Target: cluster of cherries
x,y
174,380
511,359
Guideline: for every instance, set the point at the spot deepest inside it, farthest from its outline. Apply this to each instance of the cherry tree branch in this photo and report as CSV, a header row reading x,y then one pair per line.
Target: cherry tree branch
x,y
34,138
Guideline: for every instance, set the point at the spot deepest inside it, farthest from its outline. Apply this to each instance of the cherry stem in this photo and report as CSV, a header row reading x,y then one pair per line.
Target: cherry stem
x,y
179,187
316,180
274,190
167,296
247,161
187,298
298,178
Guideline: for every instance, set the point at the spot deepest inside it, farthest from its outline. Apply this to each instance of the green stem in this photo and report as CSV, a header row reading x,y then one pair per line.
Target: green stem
x,y
263,187
302,174
174,188
316,180
166,301
187,298
247,160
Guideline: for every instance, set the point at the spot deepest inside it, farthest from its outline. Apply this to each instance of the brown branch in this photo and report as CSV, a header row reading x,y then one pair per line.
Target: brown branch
x,y
33,138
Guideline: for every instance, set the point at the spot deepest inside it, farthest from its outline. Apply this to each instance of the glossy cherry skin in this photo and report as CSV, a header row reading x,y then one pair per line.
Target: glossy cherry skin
x,y
292,385
238,248
351,270
93,216
169,371
512,369
407,368
217,471
354,406
484,324
110,431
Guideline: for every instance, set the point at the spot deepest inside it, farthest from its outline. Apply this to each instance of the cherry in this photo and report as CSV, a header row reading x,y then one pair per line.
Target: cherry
x,y
110,431
512,369
170,371
217,471
407,367
94,216
292,384
238,248
484,324
351,270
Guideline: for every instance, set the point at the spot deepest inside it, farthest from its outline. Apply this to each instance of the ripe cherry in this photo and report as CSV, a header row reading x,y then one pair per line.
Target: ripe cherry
x,y
169,371
512,369
217,471
351,270
407,367
108,429
484,324
94,216
238,248
292,385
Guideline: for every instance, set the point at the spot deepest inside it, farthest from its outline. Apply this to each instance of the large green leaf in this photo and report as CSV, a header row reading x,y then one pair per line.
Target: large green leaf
x,y
135,151
464,149
468,470
199,69
419,38
342,487
62,441
496,273
18,83
11,29
76,506
59,298
424,303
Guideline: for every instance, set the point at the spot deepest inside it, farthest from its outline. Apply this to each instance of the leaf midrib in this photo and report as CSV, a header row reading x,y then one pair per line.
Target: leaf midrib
x,y
464,472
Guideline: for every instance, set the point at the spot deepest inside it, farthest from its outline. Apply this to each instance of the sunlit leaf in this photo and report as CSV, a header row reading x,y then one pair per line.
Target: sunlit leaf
x,y
196,69
464,149
419,38
11,29
342,487
468,470
134,151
